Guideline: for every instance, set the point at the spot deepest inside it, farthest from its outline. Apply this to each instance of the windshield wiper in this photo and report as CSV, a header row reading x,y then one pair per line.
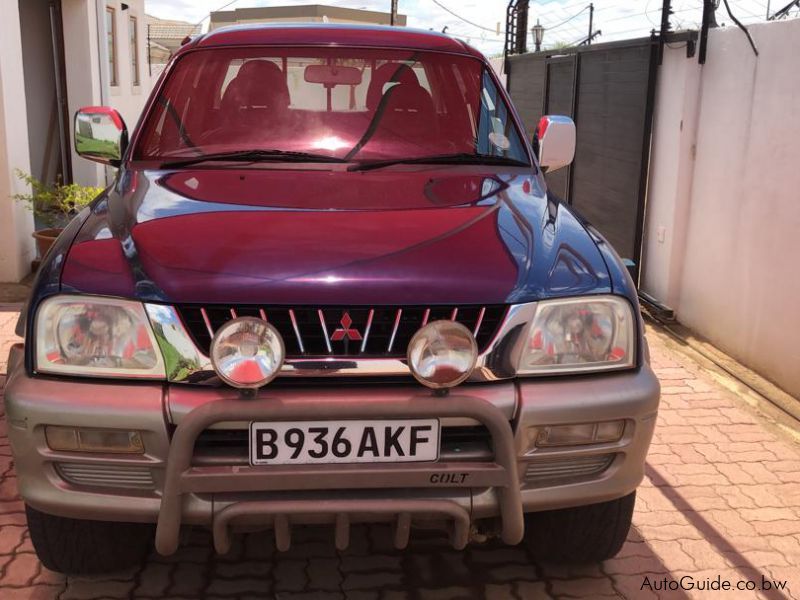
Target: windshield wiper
x,y
461,158
252,156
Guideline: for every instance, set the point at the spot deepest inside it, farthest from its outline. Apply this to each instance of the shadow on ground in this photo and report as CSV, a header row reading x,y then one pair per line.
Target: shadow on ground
x,y
369,568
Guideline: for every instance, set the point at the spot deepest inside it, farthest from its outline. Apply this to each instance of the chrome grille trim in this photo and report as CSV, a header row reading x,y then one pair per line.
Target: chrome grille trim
x,y
339,331
500,338
296,330
366,331
394,329
480,321
325,331
207,322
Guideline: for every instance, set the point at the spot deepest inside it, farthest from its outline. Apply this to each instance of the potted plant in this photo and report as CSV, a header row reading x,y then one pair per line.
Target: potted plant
x,y
53,205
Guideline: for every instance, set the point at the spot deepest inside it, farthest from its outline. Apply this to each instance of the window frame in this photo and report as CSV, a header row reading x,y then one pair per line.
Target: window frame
x,y
133,46
500,110
138,139
111,36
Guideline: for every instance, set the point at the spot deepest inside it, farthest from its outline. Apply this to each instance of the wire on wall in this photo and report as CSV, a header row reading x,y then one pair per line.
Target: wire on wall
x,y
742,27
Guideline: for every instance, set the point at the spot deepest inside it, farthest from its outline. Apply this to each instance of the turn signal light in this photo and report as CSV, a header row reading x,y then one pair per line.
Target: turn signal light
x,y
109,441
580,434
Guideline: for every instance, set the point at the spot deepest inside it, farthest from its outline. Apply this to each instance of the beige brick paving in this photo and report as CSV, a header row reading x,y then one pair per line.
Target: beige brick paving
x,y
721,499
8,320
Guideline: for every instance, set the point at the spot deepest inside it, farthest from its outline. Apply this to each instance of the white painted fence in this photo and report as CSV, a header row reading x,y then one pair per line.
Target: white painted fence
x,y
722,237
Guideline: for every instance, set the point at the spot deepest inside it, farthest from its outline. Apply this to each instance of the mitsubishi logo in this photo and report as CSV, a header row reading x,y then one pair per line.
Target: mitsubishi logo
x,y
345,331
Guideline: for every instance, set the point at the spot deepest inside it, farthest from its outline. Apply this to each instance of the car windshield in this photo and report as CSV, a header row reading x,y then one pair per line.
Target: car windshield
x,y
352,104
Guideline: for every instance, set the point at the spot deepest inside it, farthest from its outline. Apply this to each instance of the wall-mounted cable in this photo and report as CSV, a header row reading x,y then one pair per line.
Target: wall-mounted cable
x,y
742,27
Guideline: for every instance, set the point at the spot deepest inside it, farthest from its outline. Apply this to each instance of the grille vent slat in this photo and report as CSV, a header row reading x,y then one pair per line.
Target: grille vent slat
x,y
367,330
544,471
131,477
373,332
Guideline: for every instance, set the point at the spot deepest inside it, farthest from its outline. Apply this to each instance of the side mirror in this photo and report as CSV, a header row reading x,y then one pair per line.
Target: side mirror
x,y
556,140
100,135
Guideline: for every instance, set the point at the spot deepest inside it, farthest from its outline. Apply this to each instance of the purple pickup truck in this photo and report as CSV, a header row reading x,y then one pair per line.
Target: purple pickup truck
x,y
328,286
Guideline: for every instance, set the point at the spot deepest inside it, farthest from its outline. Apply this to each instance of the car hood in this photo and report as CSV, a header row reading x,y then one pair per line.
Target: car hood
x,y
282,236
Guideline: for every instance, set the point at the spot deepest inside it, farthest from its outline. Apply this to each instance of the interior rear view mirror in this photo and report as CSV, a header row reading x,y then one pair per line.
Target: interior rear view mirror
x,y
332,75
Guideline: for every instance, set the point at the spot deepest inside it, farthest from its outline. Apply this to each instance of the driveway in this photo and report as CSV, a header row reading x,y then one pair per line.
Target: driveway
x,y
721,502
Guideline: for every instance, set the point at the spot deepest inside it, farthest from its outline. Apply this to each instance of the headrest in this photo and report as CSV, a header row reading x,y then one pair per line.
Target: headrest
x,y
382,75
258,83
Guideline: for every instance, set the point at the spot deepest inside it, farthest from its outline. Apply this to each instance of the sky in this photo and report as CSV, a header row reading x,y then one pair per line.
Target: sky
x,y
565,21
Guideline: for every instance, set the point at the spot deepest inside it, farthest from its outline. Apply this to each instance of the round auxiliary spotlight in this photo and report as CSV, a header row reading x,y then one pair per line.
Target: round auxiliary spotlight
x,y
247,352
442,354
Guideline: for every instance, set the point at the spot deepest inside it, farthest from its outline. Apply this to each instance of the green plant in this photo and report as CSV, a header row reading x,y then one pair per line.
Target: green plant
x,y
54,204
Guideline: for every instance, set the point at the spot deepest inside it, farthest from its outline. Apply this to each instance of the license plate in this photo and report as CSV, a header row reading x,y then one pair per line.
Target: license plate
x,y
305,442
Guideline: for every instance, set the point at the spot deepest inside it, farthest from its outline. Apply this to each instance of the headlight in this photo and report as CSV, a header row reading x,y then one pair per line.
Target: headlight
x,y
579,334
97,337
247,352
442,354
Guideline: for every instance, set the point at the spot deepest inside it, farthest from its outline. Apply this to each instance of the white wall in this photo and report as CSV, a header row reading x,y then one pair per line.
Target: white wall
x,y
40,90
81,54
16,222
88,81
86,69
126,97
671,173
725,188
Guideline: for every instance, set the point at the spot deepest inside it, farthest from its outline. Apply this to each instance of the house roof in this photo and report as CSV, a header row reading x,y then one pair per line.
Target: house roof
x,y
169,33
307,34
160,31
304,11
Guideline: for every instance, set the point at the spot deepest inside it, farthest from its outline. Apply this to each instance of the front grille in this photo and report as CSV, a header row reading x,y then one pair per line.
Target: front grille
x,y
376,332
543,472
130,477
230,446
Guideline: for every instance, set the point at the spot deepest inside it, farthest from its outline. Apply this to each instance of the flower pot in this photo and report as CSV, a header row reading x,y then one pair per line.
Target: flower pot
x,y
45,238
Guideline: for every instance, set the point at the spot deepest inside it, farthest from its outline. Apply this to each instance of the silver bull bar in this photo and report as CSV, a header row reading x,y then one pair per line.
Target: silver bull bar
x,y
182,478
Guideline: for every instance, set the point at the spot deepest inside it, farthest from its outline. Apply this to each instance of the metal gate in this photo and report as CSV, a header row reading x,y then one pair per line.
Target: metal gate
x,y
608,89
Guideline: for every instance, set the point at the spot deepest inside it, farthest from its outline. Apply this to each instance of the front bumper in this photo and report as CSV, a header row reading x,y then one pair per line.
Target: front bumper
x,y
222,496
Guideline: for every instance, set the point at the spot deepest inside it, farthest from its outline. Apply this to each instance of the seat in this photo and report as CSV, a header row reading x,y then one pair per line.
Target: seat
x,y
258,91
384,74
409,113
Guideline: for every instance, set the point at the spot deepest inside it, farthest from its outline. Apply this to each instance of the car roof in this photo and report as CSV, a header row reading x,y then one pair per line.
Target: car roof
x,y
328,34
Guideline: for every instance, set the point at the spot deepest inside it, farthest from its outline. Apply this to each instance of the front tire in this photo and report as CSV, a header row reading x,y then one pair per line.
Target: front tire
x,y
584,534
83,547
